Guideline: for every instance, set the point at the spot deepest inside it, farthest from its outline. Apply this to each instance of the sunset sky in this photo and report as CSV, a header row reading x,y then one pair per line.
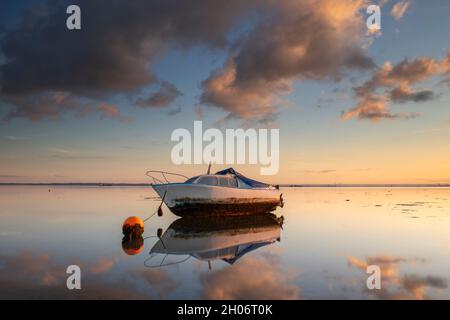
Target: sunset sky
x,y
99,104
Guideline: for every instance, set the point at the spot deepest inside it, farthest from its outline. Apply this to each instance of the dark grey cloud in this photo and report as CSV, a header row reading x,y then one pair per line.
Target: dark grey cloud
x,y
115,46
110,111
401,95
166,94
112,53
175,111
39,106
414,282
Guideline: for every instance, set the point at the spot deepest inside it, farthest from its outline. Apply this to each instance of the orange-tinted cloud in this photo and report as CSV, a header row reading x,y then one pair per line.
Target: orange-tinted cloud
x,y
41,276
109,111
166,94
395,285
102,265
49,105
396,81
298,40
253,100
250,278
417,285
158,280
399,9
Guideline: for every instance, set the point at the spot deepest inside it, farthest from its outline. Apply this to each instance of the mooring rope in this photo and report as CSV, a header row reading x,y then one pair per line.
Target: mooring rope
x,y
159,208
150,216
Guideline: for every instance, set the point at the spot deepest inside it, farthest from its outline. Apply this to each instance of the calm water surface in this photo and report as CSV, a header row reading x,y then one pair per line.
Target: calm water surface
x,y
328,238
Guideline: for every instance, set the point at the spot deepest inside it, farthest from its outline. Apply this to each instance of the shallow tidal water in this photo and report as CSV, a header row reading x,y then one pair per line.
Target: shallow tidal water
x,y
327,238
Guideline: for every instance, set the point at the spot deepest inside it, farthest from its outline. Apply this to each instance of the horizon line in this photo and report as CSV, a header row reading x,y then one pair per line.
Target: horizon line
x,y
283,185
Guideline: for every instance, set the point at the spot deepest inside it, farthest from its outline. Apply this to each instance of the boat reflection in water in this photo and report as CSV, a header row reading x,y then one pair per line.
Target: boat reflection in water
x,y
220,238
132,246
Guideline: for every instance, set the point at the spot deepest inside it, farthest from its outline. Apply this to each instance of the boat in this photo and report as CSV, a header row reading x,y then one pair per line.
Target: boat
x,y
226,192
226,238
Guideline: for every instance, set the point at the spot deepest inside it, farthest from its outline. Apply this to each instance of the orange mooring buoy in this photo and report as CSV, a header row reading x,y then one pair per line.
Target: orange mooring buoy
x,y
133,227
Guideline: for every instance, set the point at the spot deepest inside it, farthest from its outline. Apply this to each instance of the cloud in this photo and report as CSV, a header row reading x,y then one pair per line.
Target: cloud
x,y
394,285
199,112
294,40
111,55
166,94
399,9
78,157
47,70
43,276
396,81
10,176
113,49
323,171
417,284
67,154
374,108
404,94
158,280
63,151
16,138
249,101
250,278
447,67
84,111
109,111
103,264
175,111
39,106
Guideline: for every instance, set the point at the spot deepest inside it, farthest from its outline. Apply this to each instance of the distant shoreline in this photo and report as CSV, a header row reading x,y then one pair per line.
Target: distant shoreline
x,y
103,184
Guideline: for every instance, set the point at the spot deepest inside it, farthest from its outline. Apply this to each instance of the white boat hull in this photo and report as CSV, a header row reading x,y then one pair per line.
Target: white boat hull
x,y
198,199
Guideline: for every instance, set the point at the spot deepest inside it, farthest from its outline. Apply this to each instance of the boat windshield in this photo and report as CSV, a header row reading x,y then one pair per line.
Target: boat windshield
x,y
232,182
209,180
222,181
191,180
227,181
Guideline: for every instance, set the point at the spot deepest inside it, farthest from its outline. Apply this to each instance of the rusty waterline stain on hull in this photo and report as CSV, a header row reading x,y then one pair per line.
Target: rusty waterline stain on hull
x,y
188,207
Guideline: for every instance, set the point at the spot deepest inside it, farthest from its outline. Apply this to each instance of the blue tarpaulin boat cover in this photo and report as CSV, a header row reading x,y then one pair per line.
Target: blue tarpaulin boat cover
x,y
246,249
250,182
